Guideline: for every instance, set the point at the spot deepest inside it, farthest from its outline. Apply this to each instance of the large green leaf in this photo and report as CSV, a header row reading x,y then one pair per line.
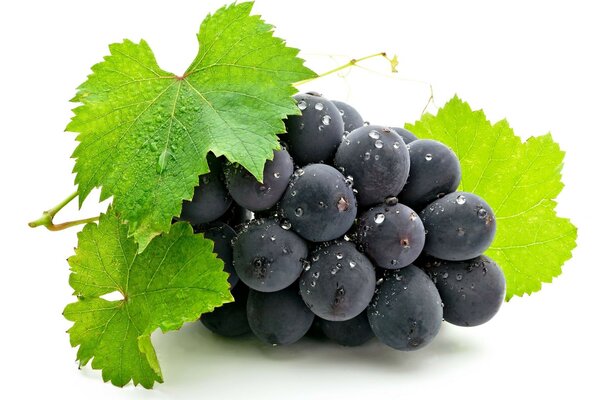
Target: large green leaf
x,y
520,182
175,280
144,133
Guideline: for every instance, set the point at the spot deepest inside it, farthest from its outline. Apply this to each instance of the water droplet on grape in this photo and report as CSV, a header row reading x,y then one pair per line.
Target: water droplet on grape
x,y
352,264
461,199
374,135
339,256
482,213
367,156
286,225
459,277
379,144
396,145
302,105
299,212
428,157
276,175
379,218
326,119
319,106
412,216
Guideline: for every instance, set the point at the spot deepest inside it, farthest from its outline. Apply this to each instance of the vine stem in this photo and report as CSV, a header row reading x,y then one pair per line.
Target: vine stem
x,y
393,63
47,218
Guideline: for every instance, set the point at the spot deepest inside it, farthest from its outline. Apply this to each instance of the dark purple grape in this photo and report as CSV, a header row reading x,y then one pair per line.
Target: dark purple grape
x,y
278,317
459,226
340,282
267,257
353,332
472,291
406,311
392,235
434,172
211,199
351,117
230,319
377,160
253,195
222,235
318,203
408,136
315,135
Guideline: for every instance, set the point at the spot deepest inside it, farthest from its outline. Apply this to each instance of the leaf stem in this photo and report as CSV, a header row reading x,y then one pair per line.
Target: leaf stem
x,y
47,218
393,64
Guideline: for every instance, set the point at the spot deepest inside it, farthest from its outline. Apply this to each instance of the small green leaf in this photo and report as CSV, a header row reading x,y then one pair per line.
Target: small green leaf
x,y
520,182
144,133
175,280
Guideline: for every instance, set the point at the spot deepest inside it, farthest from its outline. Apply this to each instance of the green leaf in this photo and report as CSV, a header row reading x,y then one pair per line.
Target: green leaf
x,y
520,182
144,133
175,280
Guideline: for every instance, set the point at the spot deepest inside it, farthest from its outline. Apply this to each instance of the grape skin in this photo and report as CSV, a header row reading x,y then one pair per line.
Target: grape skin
x,y
230,319
278,317
353,332
254,195
472,291
377,160
340,282
222,235
406,311
314,135
408,136
459,226
434,172
392,236
267,257
318,203
351,117
211,199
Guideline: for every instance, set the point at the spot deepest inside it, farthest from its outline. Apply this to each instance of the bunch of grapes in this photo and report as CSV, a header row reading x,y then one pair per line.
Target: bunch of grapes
x,y
356,231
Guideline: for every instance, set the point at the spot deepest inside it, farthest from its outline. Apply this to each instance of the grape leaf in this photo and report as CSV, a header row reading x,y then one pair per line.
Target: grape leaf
x,y
144,133
520,182
175,280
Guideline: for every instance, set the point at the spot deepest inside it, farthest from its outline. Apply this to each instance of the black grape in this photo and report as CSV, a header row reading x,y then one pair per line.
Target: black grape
x,y
353,332
315,135
230,319
350,116
377,160
278,317
434,172
408,136
406,311
318,203
236,215
211,198
222,235
339,283
267,257
472,291
459,226
253,195
392,235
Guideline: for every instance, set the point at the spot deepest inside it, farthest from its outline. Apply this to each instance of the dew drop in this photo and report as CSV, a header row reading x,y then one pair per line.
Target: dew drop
x,y
428,157
367,156
276,175
299,211
352,264
461,199
319,106
482,213
302,105
374,135
339,256
273,238
341,111
459,277
316,275
379,144
396,145
286,225
313,284
412,216
326,119
379,218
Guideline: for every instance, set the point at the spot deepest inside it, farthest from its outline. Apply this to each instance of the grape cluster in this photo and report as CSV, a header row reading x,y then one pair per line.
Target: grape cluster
x,y
356,231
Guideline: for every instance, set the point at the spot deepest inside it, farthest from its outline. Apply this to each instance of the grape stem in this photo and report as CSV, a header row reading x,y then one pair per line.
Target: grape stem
x,y
393,64
47,218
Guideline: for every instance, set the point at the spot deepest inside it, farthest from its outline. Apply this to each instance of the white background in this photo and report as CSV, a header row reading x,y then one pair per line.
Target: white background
x,y
535,63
